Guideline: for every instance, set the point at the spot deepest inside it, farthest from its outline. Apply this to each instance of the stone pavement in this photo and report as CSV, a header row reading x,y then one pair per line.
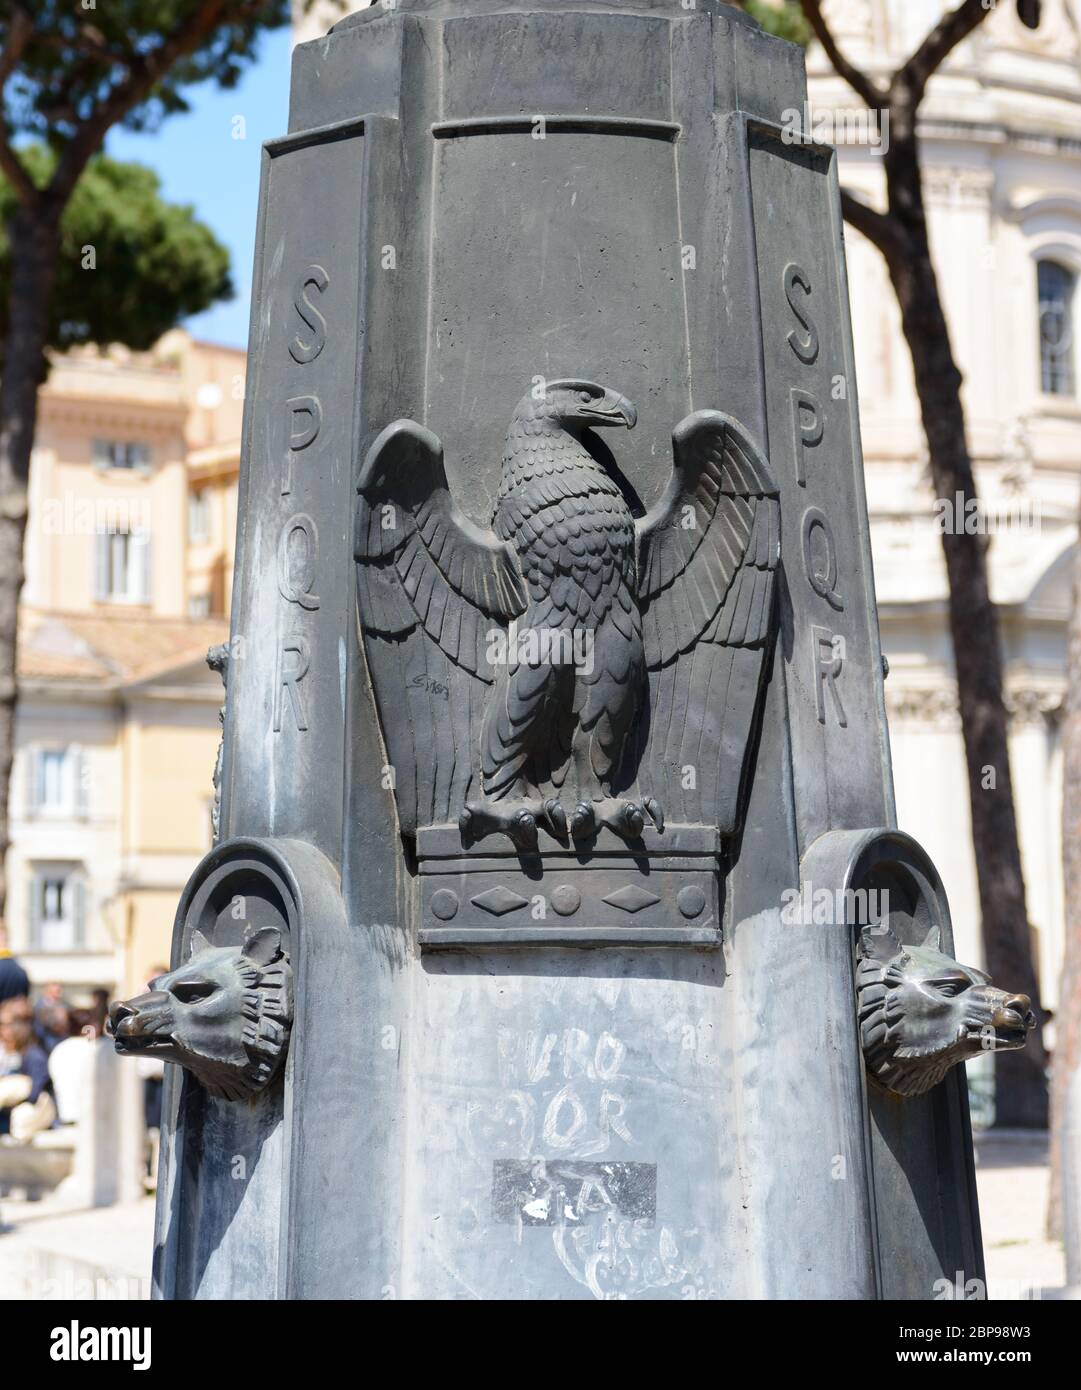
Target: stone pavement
x,y
1013,1180
49,1252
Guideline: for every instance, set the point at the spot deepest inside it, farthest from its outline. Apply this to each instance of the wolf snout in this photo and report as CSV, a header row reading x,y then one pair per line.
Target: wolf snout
x,y
1014,1011
128,1017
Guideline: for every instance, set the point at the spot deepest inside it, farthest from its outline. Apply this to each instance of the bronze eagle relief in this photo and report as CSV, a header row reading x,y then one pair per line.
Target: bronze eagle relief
x,y
572,667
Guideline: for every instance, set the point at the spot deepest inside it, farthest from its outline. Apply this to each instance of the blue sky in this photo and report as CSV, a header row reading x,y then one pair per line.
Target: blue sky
x,y
199,162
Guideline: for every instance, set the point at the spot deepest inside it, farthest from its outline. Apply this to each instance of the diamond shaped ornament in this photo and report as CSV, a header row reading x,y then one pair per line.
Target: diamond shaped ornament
x,y
632,898
499,901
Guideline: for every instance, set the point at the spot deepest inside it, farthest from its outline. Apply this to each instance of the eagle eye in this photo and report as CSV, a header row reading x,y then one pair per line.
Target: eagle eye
x,y
585,397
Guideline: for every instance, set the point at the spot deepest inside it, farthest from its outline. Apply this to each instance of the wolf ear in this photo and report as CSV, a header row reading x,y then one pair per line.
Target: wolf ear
x,y
199,943
879,943
263,946
933,939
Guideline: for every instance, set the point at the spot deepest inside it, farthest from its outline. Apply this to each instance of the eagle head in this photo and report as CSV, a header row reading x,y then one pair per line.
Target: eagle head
x,y
574,406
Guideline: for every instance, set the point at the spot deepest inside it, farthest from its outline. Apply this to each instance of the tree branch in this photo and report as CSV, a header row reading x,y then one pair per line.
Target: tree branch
x,y
879,228
19,33
910,80
82,44
144,72
868,92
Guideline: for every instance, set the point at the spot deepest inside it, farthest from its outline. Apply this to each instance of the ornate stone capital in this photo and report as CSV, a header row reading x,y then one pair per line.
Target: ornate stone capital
x,y
933,706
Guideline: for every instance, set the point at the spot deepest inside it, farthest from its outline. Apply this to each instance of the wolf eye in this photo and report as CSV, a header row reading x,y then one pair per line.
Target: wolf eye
x,y
951,988
191,991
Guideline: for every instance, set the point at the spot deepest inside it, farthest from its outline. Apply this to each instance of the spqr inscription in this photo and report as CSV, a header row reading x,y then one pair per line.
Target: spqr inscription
x,y
817,545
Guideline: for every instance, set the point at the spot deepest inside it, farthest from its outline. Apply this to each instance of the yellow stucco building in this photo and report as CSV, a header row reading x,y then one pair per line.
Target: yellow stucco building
x,y
129,571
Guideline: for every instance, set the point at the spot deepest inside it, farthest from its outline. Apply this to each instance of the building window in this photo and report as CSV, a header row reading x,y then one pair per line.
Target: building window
x,y
122,567
1056,290
199,517
57,908
121,453
57,782
199,606
54,772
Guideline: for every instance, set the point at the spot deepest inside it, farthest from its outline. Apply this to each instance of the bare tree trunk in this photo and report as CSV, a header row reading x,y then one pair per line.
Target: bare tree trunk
x,y
902,237
1020,1081
1067,1056
34,238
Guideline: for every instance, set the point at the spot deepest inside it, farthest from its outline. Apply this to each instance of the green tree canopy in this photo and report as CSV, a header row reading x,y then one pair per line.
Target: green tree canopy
x,y
785,20
78,52
131,265
71,70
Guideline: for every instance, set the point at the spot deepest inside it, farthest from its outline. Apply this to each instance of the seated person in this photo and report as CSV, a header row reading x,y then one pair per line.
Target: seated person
x,y
26,1104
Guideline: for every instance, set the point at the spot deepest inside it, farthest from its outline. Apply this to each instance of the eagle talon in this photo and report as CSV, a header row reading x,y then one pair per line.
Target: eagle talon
x,y
517,820
627,819
556,818
583,821
656,814
523,830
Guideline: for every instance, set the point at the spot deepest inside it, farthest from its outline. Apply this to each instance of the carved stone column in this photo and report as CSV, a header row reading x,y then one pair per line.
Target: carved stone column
x,y
561,1026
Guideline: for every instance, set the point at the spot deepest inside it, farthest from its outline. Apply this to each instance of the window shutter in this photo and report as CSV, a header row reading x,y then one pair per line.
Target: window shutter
x,y
101,454
142,458
81,773
141,558
101,566
33,768
34,916
77,888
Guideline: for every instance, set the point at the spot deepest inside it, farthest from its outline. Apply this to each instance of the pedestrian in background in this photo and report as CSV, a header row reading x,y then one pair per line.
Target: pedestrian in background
x,y
51,1016
14,981
69,1066
26,1102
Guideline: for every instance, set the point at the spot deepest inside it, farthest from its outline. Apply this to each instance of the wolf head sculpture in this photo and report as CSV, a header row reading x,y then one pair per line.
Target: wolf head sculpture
x,y
225,1015
921,1012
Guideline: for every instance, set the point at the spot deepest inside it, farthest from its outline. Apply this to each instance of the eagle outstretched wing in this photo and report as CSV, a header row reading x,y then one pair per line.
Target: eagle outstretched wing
x,y
707,556
431,587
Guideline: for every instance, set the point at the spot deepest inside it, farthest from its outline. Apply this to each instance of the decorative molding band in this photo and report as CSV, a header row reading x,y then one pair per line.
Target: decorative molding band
x,y
936,706
574,124
318,135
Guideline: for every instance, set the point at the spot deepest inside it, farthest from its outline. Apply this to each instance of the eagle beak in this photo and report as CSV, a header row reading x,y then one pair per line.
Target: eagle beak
x,y
630,415
613,410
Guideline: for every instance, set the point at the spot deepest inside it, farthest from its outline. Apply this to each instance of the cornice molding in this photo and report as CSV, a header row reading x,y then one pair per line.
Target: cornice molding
x,y
935,706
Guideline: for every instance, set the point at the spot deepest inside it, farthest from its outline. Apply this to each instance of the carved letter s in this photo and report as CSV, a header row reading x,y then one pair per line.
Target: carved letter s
x,y
310,316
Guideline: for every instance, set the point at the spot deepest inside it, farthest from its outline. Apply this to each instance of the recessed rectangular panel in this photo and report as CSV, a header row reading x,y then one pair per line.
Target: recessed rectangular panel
x,y
570,240
532,63
294,597
829,630
575,1145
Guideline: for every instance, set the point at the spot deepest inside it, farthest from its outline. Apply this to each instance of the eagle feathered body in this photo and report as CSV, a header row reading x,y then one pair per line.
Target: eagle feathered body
x,y
633,648
573,533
